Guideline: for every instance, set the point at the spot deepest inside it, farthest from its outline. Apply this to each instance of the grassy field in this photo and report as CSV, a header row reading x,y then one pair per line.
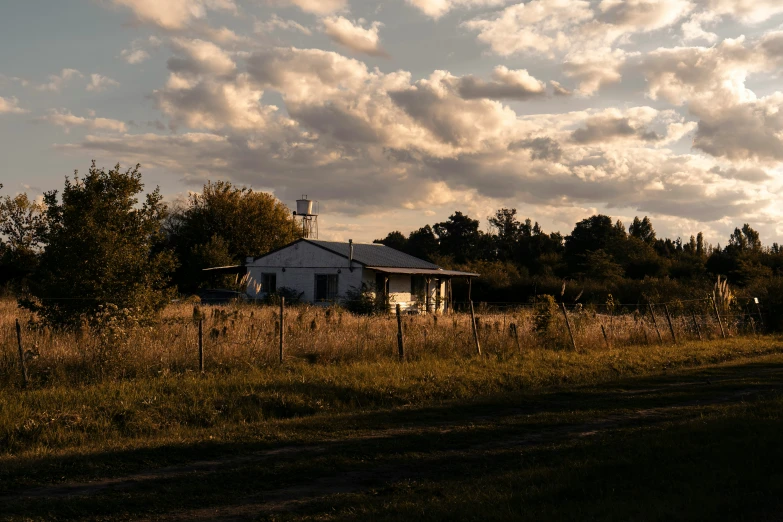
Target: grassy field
x,y
645,433
124,428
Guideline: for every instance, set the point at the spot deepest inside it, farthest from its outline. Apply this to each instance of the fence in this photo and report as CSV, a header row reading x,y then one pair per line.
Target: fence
x,y
224,338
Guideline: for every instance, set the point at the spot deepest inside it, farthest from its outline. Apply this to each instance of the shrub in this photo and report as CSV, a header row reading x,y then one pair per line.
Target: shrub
x,y
360,301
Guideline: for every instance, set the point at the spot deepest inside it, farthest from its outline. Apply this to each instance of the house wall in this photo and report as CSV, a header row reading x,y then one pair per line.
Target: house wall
x,y
400,292
302,261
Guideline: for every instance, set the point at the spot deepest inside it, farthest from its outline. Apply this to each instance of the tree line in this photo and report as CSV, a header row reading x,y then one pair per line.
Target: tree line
x,y
601,259
103,239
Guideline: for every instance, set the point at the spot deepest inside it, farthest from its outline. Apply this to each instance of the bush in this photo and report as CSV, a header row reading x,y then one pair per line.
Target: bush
x,y
360,301
292,296
770,295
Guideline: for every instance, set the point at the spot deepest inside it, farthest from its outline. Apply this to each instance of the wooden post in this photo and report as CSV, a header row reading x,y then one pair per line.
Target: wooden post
x,y
568,324
606,339
669,320
470,289
400,344
696,325
427,298
22,365
475,330
758,308
516,336
655,323
717,315
201,345
282,327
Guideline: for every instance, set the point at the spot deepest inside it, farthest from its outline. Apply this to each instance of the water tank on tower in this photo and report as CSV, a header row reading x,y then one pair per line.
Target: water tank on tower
x,y
308,211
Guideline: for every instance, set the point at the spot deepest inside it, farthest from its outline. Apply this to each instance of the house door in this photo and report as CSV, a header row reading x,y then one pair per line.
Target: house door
x,y
382,286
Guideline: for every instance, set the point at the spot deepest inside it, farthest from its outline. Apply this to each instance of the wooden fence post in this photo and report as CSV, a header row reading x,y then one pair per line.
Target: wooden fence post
x,y
568,325
201,345
400,341
758,308
516,336
669,320
696,325
475,330
720,323
282,327
21,354
606,339
655,323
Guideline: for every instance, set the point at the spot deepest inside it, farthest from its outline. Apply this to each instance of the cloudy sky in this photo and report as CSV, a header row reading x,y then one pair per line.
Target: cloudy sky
x,y
394,114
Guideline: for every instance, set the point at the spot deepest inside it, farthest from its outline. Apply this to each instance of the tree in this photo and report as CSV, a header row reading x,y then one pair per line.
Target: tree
x,y
422,243
459,237
101,248
591,234
507,230
395,240
249,223
642,229
21,223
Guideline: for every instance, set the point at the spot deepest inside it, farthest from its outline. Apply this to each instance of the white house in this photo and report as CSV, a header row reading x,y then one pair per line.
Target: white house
x,y
324,271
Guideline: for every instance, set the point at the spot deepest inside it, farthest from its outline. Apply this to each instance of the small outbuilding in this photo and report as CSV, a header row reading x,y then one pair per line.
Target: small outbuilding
x,y
324,272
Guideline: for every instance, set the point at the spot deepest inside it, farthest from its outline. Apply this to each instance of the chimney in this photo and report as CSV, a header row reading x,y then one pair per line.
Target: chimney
x,y
350,255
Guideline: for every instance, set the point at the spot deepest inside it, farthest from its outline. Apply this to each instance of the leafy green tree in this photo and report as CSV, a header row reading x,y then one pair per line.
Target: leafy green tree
x,y
591,234
22,223
423,244
395,240
247,223
459,237
507,229
600,266
642,229
101,250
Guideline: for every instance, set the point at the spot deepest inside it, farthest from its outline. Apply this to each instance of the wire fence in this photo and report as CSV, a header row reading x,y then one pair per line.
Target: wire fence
x,y
192,337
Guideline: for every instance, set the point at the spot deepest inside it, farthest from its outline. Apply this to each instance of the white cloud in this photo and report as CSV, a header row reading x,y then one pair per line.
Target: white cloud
x,y
438,8
539,26
318,7
10,106
275,22
353,36
506,84
595,68
67,120
550,27
733,122
99,83
747,11
199,57
139,50
173,14
58,81
693,30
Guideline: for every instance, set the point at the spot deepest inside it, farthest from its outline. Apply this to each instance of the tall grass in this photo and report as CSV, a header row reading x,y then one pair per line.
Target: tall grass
x,y
242,337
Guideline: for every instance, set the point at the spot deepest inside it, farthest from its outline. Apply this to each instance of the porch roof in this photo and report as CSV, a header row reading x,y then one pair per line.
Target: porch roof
x,y
422,271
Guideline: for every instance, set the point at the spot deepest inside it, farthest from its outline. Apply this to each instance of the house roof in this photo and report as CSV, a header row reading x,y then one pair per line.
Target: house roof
x,y
423,271
372,254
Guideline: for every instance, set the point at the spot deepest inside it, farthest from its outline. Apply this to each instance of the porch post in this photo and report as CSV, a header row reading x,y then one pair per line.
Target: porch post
x,y
427,298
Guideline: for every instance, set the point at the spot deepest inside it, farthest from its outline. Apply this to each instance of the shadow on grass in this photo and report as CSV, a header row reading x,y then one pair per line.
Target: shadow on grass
x,y
696,445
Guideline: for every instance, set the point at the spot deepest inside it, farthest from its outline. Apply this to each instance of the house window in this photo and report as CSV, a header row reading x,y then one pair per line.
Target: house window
x,y
418,287
325,287
269,283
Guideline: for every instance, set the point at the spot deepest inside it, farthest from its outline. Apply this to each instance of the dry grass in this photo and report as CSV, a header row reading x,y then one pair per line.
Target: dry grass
x,y
243,337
